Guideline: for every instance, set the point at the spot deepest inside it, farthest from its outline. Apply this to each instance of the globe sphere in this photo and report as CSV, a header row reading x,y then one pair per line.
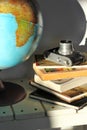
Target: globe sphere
x,y
20,31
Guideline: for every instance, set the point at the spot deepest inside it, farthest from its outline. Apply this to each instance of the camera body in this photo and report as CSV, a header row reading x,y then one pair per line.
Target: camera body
x,y
65,54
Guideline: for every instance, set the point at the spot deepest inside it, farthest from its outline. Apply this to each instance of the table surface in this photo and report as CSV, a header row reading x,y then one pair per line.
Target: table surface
x,y
38,115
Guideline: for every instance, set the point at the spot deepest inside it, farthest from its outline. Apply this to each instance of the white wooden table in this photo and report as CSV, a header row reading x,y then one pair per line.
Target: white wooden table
x,y
30,114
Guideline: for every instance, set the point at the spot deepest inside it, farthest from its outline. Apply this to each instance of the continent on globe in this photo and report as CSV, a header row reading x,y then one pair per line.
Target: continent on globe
x,y
24,14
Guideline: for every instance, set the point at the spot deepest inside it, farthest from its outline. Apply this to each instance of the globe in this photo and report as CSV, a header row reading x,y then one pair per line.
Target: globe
x,y
20,31
21,28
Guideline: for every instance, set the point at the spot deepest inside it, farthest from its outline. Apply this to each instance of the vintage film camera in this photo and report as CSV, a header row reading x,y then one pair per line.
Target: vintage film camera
x,y
65,54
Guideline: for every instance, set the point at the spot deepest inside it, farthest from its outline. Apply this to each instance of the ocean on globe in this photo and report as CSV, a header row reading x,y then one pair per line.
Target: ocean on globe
x,y
20,31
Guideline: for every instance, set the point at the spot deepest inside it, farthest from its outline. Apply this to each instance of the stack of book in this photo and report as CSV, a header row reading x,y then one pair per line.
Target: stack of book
x,y
62,85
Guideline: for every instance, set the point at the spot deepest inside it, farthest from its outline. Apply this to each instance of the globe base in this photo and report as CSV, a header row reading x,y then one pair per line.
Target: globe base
x,y
11,94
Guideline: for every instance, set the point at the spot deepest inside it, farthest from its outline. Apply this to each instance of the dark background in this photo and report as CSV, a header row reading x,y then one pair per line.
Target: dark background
x,y
62,19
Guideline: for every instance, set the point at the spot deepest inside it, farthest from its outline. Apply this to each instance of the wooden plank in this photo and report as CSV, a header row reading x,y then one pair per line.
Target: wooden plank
x,y
6,113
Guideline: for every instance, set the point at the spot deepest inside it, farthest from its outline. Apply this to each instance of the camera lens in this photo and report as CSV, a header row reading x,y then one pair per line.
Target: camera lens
x,y
65,47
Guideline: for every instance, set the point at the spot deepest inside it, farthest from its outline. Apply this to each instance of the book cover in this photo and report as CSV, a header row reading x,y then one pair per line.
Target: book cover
x,y
47,97
60,73
41,62
68,96
61,85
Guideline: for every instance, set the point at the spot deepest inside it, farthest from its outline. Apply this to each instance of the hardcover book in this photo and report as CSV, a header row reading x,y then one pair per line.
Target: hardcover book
x,y
68,96
61,85
48,97
49,70
59,73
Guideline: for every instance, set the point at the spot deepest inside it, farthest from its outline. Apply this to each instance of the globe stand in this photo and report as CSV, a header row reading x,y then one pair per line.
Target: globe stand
x,y
11,93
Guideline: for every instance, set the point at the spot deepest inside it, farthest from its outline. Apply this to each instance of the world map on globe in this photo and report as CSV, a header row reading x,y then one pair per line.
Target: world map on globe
x,y
18,29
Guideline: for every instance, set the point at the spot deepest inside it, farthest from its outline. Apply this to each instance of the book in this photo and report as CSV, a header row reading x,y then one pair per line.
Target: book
x,y
41,62
61,85
59,73
48,97
68,96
